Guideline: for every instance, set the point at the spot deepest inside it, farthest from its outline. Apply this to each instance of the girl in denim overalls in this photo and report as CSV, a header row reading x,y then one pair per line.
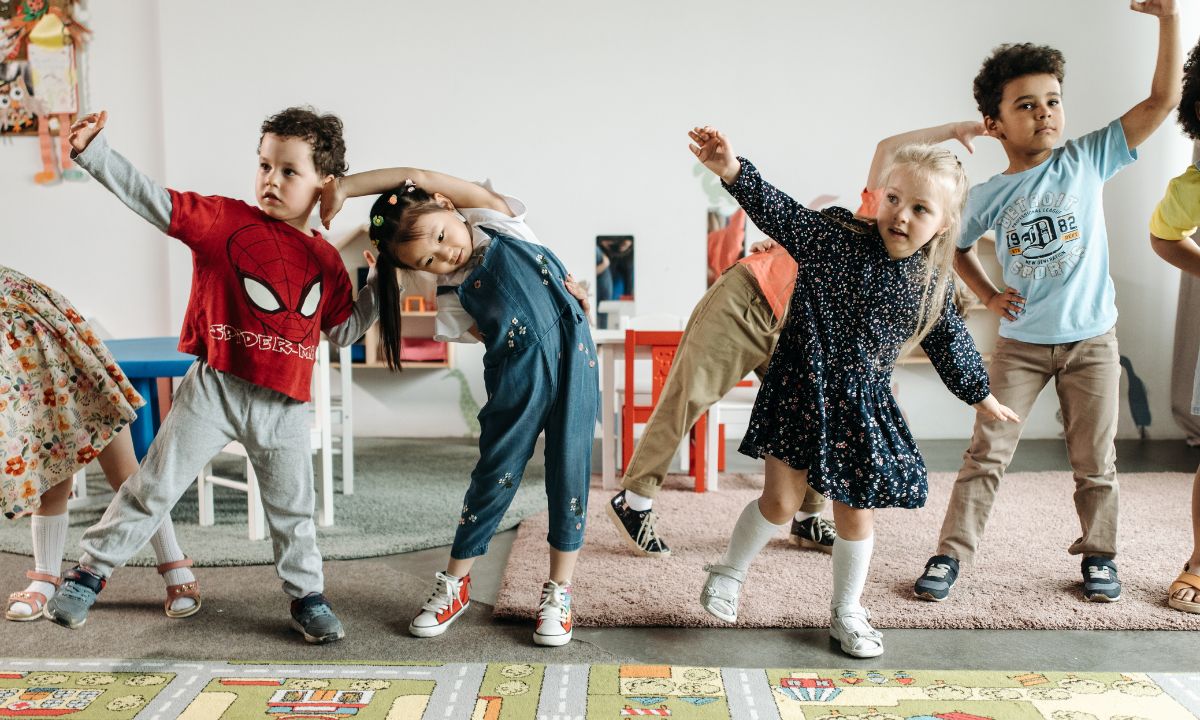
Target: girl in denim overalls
x,y
498,287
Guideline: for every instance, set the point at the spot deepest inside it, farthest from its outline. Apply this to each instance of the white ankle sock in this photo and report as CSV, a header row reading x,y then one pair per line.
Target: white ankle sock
x,y
638,503
49,538
750,535
801,516
166,549
851,562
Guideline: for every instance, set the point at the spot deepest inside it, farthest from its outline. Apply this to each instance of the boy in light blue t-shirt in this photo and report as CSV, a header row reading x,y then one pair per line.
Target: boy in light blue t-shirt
x,y
1057,307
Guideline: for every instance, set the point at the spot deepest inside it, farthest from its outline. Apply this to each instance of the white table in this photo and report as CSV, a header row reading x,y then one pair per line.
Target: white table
x,y
610,344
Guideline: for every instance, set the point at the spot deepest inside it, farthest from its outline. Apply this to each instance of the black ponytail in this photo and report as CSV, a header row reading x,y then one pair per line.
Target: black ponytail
x,y
391,221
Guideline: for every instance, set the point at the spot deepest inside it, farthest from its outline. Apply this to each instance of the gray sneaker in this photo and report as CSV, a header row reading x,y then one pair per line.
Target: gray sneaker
x,y
1100,581
69,606
940,573
313,617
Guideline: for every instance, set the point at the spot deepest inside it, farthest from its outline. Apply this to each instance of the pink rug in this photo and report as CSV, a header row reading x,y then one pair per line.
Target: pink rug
x,y
1023,577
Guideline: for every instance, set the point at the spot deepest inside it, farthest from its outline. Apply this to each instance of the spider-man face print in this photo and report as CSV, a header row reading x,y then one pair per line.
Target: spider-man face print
x,y
280,278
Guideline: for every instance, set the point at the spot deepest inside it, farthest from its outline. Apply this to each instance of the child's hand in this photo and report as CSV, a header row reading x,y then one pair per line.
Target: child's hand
x,y
86,128
371,262
332,197
1007,304
968,130
714,152
763,246
1157,8
992,408
578,292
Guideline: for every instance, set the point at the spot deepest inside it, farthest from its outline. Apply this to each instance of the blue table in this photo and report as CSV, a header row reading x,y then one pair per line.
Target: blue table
x,y
144,360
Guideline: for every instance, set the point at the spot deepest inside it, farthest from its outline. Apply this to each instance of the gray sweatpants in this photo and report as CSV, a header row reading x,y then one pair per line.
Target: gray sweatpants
x,y
210,409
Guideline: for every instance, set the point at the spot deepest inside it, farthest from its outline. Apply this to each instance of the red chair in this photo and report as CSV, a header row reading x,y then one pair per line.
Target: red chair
x,y
662,345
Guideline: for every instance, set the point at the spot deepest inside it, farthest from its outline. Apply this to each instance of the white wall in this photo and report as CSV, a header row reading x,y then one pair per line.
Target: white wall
x,y
582,112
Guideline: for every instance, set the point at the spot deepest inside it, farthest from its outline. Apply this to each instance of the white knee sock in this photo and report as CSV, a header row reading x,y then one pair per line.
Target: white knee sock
x,y
166,549
49,539
751,533
851,561
638,503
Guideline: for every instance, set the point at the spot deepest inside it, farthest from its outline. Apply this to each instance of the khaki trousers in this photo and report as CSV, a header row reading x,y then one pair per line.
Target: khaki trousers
x,y
731,332
1087,377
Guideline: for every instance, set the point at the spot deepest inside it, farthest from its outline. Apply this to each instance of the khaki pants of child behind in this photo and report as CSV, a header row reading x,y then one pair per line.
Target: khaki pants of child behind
x,y
1087,377
731,332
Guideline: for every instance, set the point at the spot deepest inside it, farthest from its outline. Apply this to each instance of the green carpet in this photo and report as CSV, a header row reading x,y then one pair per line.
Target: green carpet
x,y
407,496
121,690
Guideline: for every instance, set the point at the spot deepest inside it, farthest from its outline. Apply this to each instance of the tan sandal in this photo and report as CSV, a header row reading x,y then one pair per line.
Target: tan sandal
x,y
1184,581
183,590
35,600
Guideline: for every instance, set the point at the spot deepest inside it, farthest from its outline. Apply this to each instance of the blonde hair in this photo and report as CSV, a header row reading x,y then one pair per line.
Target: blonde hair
x,y
941,168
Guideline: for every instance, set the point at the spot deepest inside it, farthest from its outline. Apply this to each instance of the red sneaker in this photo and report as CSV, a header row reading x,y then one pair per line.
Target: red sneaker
x,y
450,597
554,615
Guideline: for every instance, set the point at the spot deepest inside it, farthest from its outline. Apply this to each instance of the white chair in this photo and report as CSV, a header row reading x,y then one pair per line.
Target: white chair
x,y
321,441
735,407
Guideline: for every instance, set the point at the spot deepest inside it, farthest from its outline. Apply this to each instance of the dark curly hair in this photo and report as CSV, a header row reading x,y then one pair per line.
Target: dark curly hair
x,y
1011,61
322,132
1191,95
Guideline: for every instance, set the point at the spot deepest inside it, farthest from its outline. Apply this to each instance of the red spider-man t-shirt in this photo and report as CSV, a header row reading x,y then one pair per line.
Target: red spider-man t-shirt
x,y
262,292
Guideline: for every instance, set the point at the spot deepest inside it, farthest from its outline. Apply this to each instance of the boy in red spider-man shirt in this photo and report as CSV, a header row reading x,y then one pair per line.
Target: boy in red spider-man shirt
x,y
264,287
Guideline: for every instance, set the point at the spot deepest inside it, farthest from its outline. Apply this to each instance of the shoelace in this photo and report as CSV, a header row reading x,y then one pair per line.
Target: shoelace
x,y
821,529
312,612
646,533
1099,573
554,605
937,571
444,593
75,591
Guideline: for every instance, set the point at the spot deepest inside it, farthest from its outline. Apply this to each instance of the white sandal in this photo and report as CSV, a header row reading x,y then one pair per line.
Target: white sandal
x,y
850,625
720,598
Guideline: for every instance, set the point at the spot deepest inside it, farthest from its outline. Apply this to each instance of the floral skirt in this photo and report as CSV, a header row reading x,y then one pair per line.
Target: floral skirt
x,y
62,396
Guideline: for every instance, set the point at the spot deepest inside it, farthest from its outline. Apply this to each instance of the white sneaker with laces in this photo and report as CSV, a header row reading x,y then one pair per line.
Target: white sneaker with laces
x,y
850,625
554,623
450,597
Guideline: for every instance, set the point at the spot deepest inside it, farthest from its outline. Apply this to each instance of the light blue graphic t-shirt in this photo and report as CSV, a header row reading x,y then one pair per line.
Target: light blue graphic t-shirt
x,y
1051,240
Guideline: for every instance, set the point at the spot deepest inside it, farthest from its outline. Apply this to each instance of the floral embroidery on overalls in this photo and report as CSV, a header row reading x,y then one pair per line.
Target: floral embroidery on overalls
x,y
506,481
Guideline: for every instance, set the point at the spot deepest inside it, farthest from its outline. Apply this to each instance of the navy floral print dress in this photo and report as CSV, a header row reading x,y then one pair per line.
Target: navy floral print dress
x,y
826,403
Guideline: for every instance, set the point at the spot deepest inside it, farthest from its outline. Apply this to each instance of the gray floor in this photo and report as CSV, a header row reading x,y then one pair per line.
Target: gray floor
x,y
245,617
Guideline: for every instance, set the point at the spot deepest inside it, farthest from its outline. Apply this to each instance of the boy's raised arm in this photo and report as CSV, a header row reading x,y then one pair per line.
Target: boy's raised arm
x,y
114,171
462,193
1144,118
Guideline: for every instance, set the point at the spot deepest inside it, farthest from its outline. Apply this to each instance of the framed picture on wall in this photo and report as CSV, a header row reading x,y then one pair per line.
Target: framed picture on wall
x,y
38,69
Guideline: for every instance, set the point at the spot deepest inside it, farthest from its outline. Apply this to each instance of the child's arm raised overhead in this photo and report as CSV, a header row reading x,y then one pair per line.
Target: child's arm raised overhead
x,y
461,193
112,170
965,132
1144,118
774,212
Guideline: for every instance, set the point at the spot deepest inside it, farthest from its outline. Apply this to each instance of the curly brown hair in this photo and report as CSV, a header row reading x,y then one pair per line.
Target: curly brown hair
x,y
322,132
1011,61
1188,112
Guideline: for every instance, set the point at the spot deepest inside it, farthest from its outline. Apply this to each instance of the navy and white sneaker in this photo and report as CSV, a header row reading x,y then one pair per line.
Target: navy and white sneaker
x,y
637,528
1100,581
313,618
940,573
814,533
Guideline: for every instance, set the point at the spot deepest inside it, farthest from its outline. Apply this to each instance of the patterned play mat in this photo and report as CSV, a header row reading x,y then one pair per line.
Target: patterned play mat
x,y
158,690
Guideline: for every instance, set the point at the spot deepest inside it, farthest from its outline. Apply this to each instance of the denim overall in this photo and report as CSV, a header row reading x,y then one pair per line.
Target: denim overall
x,y
540,373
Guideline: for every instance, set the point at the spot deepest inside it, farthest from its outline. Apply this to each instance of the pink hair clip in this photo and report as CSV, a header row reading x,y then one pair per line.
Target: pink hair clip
x,y
393,200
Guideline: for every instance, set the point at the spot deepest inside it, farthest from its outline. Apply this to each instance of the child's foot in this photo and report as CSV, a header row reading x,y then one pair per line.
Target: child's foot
x,y
69,606
850,625
450,598
183,589
554,615
29,603
814,533
1184,593
313,617
1100,581
721,591
940,573
637,528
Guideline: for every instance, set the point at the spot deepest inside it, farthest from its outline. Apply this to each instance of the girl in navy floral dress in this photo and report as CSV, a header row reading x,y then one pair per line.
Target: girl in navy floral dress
x,y
866,291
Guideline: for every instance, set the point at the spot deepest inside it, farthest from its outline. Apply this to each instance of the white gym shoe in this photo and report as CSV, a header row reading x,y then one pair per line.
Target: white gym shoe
x,y
450,598
554,622
850,625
